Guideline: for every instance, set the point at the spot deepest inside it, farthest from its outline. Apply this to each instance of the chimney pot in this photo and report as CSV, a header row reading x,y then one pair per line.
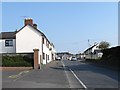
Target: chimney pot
x,y
35,26
28,21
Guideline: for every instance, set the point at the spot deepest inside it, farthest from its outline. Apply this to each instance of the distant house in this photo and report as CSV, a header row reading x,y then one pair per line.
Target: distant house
x,y
64,55
26,39
78,56
92,53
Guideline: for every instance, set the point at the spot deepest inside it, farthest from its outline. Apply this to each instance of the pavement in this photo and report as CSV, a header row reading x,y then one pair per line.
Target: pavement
x,y
63,74
53,75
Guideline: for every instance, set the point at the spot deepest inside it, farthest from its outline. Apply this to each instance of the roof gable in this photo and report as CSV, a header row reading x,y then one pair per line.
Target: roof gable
x,y
12,35
90,48
31,27
26,29
35,29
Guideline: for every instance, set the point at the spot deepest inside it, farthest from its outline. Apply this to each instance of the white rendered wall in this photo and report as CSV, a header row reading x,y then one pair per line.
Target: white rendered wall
x,y
9,49
95,48
46,51
28,39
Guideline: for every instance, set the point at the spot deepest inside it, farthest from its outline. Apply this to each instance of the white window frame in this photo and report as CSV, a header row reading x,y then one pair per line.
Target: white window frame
x,y
9,43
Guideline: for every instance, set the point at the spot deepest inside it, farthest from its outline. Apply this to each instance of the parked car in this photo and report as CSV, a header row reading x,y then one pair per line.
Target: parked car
x,y
79,58
73,58
58,58
69,58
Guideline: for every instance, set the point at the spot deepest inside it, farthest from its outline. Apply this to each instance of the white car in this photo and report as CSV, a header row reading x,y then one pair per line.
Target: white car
x,y
73,58
58,58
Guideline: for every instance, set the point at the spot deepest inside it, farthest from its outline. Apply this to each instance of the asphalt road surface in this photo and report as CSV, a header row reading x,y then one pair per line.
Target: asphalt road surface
x,y
62,74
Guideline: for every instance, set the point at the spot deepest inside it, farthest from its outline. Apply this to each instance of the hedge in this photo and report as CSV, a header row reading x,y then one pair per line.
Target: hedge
x,y
111,57
16,61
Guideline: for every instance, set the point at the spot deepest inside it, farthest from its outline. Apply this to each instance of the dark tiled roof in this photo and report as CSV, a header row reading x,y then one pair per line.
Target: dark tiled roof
x,y
7,35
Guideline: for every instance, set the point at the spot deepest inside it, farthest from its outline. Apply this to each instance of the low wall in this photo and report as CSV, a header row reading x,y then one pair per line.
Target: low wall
x,y
15,68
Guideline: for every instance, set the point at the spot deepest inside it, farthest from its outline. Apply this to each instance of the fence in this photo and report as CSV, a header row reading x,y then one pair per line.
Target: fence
x,y
93,56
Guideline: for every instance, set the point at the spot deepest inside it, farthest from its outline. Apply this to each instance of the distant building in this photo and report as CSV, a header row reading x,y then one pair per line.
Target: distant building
x,y
92,53
78,56
64,55
25,40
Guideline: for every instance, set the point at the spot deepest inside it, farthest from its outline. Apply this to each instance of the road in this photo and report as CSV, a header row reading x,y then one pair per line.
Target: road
x,y
62,74
93,76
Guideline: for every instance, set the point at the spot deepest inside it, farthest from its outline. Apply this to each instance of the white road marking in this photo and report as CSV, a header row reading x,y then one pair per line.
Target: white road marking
x,y
75,77
16,76
67,76
78,79
22,75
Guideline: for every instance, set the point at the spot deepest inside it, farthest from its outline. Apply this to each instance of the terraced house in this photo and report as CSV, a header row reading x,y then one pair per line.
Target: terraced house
x,y
25,40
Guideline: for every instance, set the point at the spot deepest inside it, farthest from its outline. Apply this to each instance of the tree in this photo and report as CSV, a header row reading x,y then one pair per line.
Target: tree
x,y
104,45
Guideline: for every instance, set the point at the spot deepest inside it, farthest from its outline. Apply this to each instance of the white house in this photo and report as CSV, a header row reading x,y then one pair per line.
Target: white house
x,y
93,52
25,40
7,42
64,55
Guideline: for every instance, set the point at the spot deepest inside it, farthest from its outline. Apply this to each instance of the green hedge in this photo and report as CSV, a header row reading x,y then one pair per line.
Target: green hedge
x,y
111,57
16,61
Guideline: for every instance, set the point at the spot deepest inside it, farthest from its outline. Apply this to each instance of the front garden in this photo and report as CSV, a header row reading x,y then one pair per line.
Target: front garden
x,y
16,61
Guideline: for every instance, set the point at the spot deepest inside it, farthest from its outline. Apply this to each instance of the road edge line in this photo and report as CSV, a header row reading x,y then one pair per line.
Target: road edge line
x,y
66,75
78,79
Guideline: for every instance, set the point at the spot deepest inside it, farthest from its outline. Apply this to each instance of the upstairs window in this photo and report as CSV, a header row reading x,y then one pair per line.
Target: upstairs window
x,y
8,43
48,57
43,40
43,55
46,42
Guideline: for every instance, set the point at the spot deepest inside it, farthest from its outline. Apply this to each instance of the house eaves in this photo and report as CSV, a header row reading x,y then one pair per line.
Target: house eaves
x,y
12,35
90,48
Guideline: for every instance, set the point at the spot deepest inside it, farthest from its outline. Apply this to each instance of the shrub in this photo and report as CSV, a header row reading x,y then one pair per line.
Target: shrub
x,y
16,61
111,56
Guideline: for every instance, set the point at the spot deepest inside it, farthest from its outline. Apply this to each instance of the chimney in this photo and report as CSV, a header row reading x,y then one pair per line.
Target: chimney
x,y
35,26
28,21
